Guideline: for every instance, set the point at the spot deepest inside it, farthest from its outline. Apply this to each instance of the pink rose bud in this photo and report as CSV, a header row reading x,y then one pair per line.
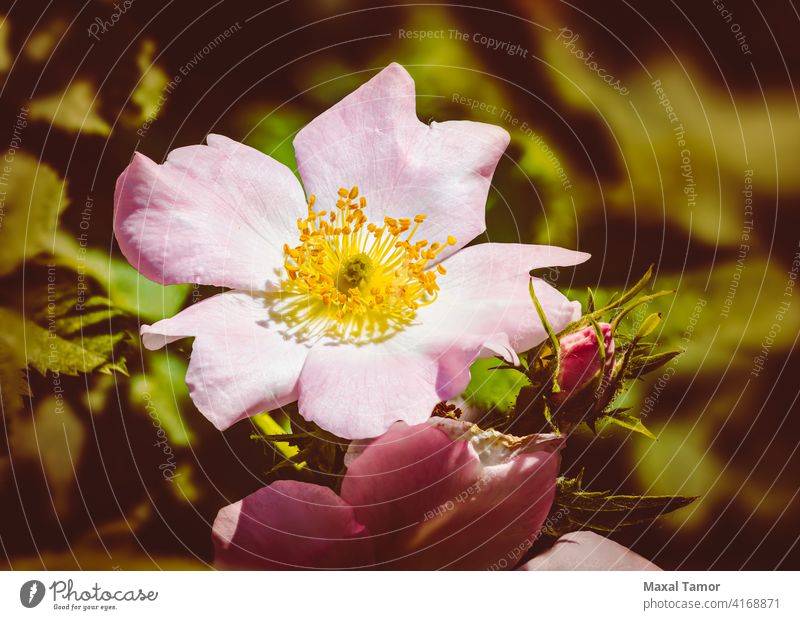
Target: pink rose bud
x,y
580,363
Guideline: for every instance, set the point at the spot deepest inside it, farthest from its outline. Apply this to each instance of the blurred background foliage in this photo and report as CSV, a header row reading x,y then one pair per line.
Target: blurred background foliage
x,y
105,463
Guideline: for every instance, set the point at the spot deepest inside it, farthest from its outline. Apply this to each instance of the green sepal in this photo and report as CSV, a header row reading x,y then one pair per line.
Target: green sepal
x,y
575,508
550,334
642,364
648,326
630,422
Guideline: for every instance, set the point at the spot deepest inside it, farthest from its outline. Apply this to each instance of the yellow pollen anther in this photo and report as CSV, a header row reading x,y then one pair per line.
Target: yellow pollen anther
x,y
352,278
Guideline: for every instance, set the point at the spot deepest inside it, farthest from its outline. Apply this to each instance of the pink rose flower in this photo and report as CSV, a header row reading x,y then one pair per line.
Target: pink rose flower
x,y
580,366
362,302
437,495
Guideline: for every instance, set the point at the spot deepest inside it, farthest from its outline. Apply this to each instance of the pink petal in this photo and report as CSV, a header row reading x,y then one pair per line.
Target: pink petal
x,y
290,525
359,391
492,529
241,364
373,139
401,476
492,523
588,551
216,214
484,307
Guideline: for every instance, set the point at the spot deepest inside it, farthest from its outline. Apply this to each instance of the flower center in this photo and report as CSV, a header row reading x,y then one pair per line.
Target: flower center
x,y
352,278
353,272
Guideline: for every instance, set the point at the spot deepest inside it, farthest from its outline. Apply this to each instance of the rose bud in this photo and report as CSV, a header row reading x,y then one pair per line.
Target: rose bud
x,y
581,372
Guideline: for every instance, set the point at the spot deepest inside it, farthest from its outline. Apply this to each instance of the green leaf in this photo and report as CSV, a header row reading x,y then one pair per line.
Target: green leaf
x,y
75,315
73,110
52,439
46,350
605,512
493,388
60,306
149,89
35,197
13,386
162,394
270,129
127,288
133,292
43,40
64,331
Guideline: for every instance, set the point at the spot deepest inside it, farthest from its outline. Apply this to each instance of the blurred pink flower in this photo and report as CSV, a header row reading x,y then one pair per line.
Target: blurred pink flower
x,y
365,313
588,551
436,495
580,366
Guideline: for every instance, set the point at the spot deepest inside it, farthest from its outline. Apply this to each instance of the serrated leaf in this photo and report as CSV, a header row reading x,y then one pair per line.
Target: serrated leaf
x,y
62,333
103,345
59,306
93,324
69,325
44,349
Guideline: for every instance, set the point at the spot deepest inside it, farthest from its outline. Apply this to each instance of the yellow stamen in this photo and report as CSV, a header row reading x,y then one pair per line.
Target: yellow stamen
x,y
352,278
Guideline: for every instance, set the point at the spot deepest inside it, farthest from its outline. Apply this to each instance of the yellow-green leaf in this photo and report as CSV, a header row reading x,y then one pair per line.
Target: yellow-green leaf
x,y
74,110
35,196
